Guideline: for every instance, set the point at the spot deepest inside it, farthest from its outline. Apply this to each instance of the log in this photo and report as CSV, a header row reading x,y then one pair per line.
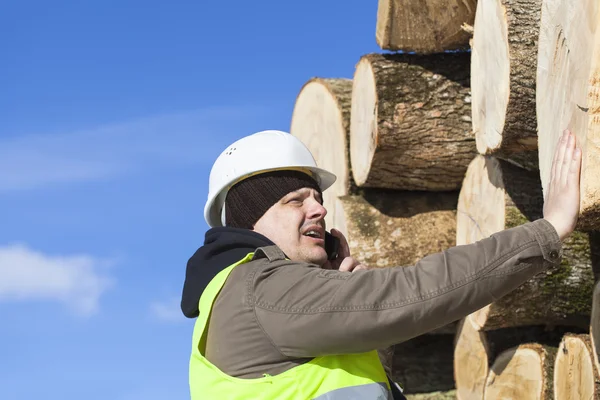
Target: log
x,y
568,93
471,361
424,364
503,74
429,26
410,123
575,374
497,195
595,327
321,120
474,350
440,395
522,373
388,228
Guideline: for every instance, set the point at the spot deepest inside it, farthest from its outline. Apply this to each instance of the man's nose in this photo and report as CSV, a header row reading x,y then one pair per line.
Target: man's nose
x,y
316,210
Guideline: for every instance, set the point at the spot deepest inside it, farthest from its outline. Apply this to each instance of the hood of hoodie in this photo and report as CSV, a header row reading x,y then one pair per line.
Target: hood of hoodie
x,y
222,247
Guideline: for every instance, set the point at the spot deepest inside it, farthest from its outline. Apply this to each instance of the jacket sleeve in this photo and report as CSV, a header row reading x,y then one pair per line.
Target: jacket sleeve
x,y
307,311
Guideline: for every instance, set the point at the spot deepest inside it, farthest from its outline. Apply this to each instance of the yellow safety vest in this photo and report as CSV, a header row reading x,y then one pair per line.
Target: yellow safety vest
x,y
333,377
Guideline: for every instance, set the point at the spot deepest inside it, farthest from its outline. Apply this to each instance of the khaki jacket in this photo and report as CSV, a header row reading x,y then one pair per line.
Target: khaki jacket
x,y
273,314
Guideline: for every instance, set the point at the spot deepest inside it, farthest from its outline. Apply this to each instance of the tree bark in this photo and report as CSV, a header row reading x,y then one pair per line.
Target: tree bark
x,y
321,120
522,373
471,361
388,228
575,374
503,75
429,26
568,93
497,195
411,121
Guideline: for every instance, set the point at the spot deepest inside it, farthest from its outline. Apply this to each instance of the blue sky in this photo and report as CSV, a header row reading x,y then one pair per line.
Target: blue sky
x,y
111,114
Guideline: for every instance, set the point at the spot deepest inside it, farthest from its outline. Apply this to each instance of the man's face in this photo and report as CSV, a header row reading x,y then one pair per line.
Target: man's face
x,y
296,225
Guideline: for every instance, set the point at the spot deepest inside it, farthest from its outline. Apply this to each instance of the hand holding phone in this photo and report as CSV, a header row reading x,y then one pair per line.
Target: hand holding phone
x,y
338,253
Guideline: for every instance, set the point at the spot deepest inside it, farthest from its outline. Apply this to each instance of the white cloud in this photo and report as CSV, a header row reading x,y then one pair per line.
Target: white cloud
x,y
167,310
76,280
38,160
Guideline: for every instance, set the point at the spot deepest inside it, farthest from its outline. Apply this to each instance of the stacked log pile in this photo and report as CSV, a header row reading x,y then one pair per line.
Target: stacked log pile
x,y
435,146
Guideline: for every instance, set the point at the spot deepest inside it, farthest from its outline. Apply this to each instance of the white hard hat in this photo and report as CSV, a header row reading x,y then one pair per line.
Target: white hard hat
x,y
261,152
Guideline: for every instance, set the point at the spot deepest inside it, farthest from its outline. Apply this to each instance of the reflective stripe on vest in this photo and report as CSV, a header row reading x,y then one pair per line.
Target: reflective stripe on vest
x,y
335,377
377,391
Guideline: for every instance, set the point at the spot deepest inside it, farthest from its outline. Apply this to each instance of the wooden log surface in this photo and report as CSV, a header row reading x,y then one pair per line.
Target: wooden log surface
x,y
471,361
497,195
595,327
522,373
475,350
427,26
503,75
568,93
394,228
411,121
575,374
321,120
439,395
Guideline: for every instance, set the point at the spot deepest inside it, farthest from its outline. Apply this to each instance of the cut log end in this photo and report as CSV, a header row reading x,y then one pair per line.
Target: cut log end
x,y
363,123
568,94
481,202
321,120
471,361
490,75
521,373
575,375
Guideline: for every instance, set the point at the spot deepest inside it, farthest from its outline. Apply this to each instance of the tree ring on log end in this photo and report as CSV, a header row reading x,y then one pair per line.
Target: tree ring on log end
x,y
363,125
490,75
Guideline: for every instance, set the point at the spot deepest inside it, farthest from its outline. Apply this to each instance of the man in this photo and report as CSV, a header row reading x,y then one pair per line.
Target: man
x,y
278,320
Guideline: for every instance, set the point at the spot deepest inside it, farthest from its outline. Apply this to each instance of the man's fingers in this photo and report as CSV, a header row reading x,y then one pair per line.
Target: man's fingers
x,y
361,267
348,264
568,157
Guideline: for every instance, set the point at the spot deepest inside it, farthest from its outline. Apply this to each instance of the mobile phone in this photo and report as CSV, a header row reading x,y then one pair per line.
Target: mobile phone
x,y
332,246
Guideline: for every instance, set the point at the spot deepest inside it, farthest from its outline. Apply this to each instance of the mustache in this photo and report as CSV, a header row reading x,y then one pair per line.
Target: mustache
x,y
320,222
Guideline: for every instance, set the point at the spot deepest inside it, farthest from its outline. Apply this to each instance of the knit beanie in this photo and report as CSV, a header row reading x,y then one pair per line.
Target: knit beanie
x,y
249,199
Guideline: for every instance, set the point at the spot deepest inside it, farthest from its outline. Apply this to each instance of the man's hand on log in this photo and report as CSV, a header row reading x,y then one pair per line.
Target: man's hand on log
x,y
561,206
344,262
